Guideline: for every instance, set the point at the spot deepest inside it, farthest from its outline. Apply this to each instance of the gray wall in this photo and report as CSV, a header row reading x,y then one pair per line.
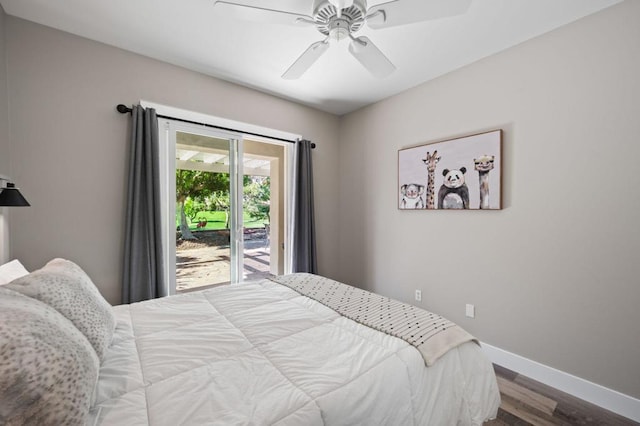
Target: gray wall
x,y
70,145
554,276
5,148
4,105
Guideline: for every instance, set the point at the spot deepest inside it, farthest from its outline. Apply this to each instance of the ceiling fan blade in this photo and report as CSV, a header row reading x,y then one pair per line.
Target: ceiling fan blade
x,y
401,12
371,57
304,62
260,14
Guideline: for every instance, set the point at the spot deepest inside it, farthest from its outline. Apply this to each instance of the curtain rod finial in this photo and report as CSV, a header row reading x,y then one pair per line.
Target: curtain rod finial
x,y
123,109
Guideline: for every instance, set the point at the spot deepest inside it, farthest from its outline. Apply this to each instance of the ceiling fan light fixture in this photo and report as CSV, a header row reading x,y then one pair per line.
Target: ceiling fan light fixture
x,y
339,32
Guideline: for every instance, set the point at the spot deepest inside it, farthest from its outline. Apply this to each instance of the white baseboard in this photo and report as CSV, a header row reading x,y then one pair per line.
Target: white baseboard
x,y
608,399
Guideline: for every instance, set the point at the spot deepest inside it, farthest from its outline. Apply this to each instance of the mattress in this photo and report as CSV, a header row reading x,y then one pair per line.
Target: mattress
x,y
262,354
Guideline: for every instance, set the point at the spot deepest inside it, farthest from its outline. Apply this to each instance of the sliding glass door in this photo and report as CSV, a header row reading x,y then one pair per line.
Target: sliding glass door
x,y
224,206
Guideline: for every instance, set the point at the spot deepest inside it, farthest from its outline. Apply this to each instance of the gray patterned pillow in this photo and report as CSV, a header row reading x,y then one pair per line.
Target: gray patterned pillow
x,y
64,286
48,369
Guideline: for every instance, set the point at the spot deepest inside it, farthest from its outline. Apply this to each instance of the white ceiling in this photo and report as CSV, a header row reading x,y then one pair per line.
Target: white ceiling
x,y
195,35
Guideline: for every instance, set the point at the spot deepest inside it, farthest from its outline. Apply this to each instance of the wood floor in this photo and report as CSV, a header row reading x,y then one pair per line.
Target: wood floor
x,y
527,402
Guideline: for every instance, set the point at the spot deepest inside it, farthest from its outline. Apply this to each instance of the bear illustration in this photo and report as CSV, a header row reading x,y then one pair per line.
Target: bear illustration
x,y
454,193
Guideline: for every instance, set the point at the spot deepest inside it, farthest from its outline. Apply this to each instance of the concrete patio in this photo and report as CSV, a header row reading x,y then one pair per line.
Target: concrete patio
x,y
206,263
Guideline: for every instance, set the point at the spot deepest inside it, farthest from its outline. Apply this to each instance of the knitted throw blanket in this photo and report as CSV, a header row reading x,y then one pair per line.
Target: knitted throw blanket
x,y
431,334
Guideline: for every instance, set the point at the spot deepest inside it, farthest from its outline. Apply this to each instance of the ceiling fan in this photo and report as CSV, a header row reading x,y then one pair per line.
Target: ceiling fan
x,y
341,19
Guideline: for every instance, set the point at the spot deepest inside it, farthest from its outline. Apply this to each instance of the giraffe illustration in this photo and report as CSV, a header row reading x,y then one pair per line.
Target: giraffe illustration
x,y
431,162
483,166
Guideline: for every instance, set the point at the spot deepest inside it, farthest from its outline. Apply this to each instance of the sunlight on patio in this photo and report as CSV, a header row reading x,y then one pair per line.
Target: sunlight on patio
x,y
205,262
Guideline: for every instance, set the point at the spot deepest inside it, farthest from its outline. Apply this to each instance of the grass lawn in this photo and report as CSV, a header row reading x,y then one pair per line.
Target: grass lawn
x,y
216,220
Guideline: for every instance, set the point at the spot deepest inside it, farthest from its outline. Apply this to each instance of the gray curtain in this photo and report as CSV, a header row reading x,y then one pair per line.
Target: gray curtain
x,y
304,233
143,276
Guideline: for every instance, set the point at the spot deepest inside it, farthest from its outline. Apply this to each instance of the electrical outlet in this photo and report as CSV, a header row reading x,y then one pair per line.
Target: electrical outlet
x,y
471,311
418,296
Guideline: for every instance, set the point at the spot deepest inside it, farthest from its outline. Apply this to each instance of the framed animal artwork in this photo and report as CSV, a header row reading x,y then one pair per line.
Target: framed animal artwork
x,y
455,174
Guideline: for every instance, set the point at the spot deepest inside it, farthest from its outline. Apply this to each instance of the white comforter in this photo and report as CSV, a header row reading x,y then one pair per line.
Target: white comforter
x,y
261,354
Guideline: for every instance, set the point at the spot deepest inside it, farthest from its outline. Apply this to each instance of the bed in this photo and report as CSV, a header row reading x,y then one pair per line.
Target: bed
x,y
264,353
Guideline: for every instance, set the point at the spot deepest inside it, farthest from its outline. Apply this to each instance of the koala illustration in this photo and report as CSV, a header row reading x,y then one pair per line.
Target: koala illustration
x,y
454,193
412,196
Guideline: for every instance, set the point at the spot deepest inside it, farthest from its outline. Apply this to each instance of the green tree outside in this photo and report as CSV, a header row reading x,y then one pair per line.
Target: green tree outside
x,y
194,186
202,197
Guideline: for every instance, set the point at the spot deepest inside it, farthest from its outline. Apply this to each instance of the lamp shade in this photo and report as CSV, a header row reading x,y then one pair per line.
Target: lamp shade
x,y
10,196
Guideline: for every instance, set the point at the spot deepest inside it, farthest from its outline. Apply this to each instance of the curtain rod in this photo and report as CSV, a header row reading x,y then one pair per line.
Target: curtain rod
x,y
123,109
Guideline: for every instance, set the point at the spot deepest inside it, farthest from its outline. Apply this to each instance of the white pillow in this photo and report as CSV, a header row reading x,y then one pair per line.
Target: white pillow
x,y
48,369
12,270
64,286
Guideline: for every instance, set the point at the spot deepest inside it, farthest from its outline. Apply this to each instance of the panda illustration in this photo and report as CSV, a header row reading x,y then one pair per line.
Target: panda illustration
x,y
454,193
412,196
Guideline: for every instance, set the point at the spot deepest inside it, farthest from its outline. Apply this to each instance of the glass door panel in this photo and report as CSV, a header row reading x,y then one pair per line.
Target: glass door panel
x,y
263,207
206,210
